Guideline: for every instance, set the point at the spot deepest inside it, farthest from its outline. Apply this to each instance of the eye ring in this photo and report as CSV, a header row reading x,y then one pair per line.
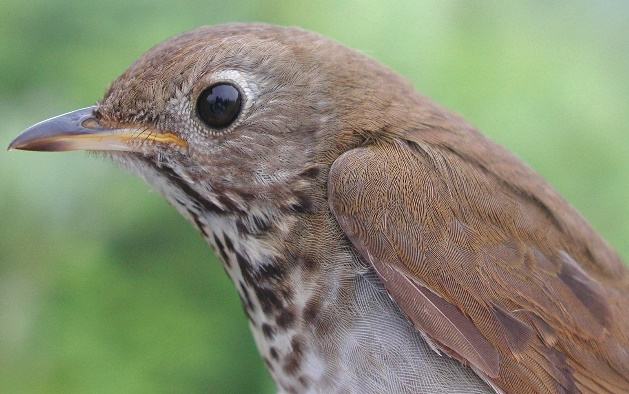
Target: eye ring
x,y
219,105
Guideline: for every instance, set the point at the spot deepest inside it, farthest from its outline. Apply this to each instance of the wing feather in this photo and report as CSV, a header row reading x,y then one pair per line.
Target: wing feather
x,y
504,276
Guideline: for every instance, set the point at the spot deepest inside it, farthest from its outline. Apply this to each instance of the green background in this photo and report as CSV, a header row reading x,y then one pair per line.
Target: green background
x,y
104,288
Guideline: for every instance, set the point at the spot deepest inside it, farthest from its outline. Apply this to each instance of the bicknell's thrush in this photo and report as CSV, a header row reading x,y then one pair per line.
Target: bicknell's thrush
x,y
378,242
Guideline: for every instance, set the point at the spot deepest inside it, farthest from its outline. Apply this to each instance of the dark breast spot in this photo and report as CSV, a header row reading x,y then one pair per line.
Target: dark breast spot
x,y
229,245
197,220
293,360
312,309
271,272
203,203
245,269
269,301
245,297
252,225
268,331
286,319
249,317
221,250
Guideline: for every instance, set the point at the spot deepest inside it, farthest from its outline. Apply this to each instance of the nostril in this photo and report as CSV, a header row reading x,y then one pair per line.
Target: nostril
x,y
90,123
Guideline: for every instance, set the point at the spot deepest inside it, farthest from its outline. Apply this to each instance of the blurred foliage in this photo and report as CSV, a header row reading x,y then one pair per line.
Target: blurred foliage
x,y
104,288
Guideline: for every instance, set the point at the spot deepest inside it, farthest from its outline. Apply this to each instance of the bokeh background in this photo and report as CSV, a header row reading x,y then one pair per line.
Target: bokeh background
x,y
104,288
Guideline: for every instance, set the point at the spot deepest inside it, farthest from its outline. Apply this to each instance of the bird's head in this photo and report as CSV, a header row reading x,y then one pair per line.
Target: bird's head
x,y
247,111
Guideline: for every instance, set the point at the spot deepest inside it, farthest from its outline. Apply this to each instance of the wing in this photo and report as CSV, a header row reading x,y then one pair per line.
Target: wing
x,y
489,262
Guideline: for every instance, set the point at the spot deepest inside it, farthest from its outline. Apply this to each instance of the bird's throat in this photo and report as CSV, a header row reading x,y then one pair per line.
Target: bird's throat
x,y
319,314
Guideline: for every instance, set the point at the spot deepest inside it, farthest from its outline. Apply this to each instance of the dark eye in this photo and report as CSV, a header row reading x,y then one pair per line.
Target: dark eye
x,y
219,105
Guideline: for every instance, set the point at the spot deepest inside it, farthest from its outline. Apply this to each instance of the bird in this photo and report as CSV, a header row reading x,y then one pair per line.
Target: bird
x,y
378,241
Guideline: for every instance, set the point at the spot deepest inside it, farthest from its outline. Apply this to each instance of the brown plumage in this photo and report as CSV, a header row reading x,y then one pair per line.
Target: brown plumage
x,y
367,229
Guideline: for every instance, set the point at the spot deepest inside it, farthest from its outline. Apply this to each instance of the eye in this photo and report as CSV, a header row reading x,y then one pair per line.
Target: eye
x,y
219,105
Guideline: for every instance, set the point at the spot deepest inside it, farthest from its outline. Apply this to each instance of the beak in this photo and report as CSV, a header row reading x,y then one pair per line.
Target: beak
x,y
81,130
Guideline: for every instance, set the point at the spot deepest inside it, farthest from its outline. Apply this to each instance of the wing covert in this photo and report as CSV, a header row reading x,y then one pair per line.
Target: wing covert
x,y
487,273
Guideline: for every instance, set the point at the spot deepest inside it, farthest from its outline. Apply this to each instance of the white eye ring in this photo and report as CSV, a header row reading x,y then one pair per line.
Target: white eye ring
x,y
242,81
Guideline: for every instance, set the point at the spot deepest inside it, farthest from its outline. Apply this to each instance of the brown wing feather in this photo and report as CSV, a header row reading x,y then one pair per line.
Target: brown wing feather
x,y
440,319
522,269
